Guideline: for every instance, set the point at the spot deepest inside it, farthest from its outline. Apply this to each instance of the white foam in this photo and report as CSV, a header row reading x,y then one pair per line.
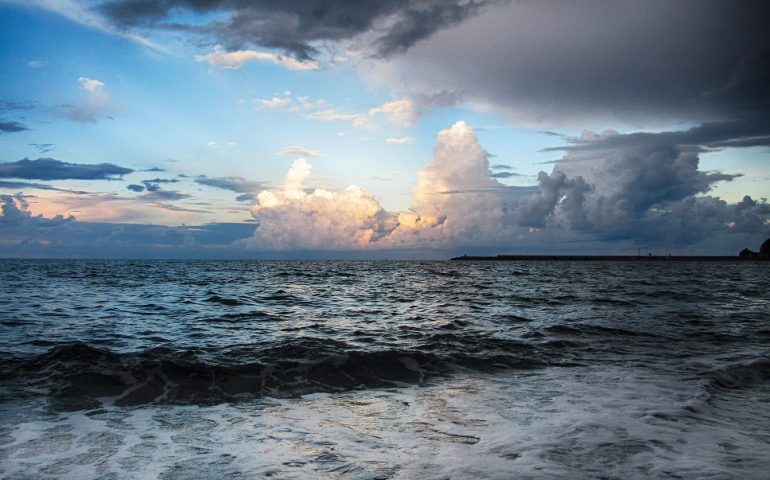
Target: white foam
x,y
620,421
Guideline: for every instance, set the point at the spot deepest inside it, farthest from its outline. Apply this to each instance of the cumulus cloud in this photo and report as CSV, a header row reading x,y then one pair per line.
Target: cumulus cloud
x,y
627,186
235,60
293,219
593,194
15,212
295,151
455,200
51,169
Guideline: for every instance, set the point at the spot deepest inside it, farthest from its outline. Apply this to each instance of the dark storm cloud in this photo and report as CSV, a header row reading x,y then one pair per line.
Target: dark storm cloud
x,y
645,187
294,25
233,184
51,169
554,62
752,132
12,127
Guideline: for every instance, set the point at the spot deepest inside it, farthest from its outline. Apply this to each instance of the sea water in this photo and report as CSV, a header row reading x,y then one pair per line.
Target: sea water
x,y
206,369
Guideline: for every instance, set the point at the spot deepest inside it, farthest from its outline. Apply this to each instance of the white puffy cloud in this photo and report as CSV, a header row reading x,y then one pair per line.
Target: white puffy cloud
x,y
91,85
237,59
455,201
293,219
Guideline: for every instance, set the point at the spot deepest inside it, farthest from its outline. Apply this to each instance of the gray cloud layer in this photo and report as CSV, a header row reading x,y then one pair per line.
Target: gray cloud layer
x,y
295,25
25,234
554,62
51,169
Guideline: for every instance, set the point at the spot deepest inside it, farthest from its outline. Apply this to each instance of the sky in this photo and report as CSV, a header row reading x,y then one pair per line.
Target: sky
x,y
403,129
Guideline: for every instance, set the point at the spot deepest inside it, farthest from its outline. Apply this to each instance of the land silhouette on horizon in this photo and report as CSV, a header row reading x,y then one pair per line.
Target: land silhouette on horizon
x,y
762,255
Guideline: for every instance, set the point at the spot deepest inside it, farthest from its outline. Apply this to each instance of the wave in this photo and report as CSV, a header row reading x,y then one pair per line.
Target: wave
x,y
741,375
163,375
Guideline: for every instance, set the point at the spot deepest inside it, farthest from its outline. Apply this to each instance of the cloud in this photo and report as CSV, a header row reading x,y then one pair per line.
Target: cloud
x,y
505,175
135,188
155,193
291,219
295,151
454,197
295,27
12,127
233,184
621,185
153,184
94,106
36,186
590,62
91,85
51,169
34,64
85,15
25,235
400,141
599,194
15,212
400,112
274,102
42,147
235,60
246,198
358,120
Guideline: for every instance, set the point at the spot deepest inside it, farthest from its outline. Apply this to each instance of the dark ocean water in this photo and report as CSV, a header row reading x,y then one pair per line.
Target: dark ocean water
x,y
153,369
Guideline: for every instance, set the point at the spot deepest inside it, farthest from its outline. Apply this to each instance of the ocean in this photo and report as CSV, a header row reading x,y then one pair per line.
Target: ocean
x,y
375,370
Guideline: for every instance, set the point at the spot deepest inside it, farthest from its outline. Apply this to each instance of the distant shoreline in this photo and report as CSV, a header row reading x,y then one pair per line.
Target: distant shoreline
x,y
614,258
